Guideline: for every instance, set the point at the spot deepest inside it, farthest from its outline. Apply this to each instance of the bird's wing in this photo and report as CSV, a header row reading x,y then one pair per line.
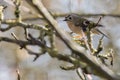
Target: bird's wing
x,y
98,31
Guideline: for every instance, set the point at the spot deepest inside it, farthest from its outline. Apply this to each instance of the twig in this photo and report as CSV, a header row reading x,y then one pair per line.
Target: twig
x,y
86,41
81,74
89,15
18,74
29,51
34,53
63,15
14,36
1,14
89,38
17,4
99,48
26,33
23,44
98,21
15,23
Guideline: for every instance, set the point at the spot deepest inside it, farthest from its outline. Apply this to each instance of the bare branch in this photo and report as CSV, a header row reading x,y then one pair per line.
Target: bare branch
x,y
15,23
102,70
82,15
81,74
18,74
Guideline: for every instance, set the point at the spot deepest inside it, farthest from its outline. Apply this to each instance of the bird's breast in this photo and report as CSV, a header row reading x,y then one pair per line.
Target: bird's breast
x,y
75,29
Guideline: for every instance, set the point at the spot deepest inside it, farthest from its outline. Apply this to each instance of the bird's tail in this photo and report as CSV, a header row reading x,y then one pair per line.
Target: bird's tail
x,y
101,33
99,25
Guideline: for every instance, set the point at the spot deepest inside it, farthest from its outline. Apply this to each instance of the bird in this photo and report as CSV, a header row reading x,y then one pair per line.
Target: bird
x,y
77,24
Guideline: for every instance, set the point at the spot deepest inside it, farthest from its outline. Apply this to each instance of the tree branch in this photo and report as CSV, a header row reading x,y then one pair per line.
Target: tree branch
x,y
63,15
100,70
15,23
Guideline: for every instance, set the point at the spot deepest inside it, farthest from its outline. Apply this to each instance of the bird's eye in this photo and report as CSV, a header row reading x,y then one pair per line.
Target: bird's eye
x,y
70,18
86,22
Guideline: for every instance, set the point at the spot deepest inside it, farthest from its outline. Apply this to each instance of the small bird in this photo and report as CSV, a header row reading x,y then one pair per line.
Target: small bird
x,y
77,24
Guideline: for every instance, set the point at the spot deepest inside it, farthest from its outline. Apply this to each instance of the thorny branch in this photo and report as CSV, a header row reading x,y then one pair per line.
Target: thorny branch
x,y
84,61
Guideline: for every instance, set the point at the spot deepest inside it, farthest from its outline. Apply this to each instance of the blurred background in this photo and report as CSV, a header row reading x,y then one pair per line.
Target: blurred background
x,y
45,67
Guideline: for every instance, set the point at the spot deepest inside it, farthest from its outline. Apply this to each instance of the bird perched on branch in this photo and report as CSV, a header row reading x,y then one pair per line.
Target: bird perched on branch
x,y
77,24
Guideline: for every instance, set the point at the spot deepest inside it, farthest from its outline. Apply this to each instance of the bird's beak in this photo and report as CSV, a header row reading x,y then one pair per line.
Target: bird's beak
x,y
65,19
